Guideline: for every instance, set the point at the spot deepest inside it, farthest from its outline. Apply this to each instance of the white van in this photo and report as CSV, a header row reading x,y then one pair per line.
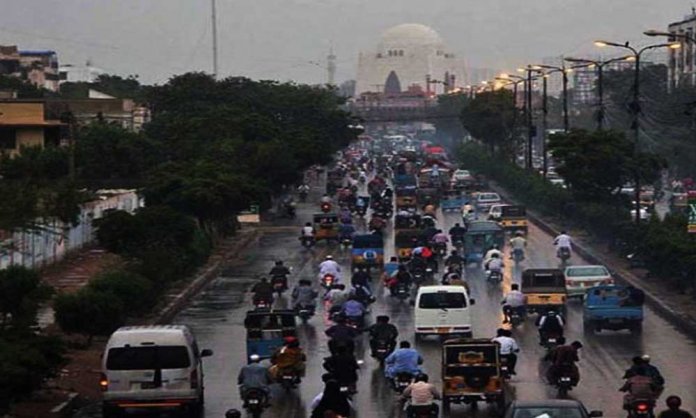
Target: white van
x,y
152,367
443,310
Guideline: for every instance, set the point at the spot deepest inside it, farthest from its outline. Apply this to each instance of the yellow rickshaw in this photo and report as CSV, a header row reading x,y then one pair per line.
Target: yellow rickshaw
x,y
545,289
513,218
405,242
326,226
406,198
471,373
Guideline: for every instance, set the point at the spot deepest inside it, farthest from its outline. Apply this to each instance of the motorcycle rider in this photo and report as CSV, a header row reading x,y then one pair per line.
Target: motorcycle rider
x,y
564,357
361,277
303,190
346,231
421,393
402,277
489,254
303,295
563,241
390,269
342,365
508,348
403,360
353,309
550,323
457,233
331,402
288,359
263,291
674,409
337,296
307,232
341,334
254,376
440,239
513,300
279,271
455,260
494,265
640,386
518,245
643,362
382,330
325,199
329,266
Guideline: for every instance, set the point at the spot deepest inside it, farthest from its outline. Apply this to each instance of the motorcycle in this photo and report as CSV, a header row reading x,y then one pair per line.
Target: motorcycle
x,y
382,350
402,291
255,401
641,408
550,340
564,254
303,196
326,207
328,281
421,411
402,381
564,381
517,317
505,367
263,302
418,274
494,276
280,284
305,312
440,249
289,380
307,242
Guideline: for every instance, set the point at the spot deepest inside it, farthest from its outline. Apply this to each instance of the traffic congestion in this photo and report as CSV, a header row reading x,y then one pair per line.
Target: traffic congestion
x,y
410,288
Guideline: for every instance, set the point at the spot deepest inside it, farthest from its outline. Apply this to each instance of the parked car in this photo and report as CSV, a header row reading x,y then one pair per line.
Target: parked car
x,y
153,368
580,278
460,175
567,408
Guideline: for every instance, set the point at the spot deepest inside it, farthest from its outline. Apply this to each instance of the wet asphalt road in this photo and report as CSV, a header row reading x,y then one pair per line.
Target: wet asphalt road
x,y
216,317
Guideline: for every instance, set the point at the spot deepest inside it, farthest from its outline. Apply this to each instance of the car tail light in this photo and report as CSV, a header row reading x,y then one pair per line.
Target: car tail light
x,y
642,407
193,377
569,282
103,382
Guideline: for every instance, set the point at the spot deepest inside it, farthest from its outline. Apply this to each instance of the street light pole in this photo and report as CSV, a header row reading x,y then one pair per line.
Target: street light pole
x,y
635,105
544,113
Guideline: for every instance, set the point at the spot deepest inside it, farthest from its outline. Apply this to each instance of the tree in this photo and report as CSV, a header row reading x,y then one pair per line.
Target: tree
x,y
132,289
113,85
491,117
89,312
449,110
595,165
21,292
24,89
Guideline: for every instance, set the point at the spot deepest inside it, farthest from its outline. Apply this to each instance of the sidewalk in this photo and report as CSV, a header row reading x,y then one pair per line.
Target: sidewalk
x,y
679,309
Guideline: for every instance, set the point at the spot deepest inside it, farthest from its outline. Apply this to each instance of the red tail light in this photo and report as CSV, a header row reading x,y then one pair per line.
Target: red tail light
x,y
642,407
193,378
103,382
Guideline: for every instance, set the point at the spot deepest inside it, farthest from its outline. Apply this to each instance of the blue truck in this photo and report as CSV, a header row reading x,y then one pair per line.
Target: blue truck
x,y
612,307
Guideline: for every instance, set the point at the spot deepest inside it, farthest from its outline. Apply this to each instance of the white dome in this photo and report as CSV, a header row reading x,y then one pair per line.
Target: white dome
x,y
410,34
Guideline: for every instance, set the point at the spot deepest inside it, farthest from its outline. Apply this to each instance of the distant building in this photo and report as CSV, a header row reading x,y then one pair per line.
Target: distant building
x,y
100,107
23,124
584,81
79,74
681,61
40,68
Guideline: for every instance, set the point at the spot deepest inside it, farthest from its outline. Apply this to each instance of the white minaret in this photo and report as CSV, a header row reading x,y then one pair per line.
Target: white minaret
x,y
331,67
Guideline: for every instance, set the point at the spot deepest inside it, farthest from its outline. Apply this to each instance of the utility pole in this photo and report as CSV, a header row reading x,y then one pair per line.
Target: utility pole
x,y
544,113
530,120
331,67
215,38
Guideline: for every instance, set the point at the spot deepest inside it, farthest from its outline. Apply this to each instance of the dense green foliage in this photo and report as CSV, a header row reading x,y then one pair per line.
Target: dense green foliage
x,y
89,312
492,118
113,85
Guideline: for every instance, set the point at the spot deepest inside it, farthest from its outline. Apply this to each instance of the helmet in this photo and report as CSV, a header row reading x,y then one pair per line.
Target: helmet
x,y
329,257
422,377
519,233
279,263
255,358
289,339
673,402
645,358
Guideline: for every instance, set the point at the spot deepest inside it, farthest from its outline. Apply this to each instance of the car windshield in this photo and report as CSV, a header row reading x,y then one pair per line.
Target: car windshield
x,y
148,358
587,271
548,412
442,300
489,196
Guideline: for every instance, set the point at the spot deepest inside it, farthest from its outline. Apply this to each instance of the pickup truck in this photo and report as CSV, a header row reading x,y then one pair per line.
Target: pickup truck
x,y
609,307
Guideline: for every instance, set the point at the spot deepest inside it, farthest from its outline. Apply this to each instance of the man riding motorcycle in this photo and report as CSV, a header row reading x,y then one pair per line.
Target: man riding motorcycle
x,y
303,296
341,334
563,359
563,242
508,348
353,310
361,277
518,245
489,254
303,191
439,241
401,278
342,366
455,260
307,232
263,292
279,274
346,231
639,387
254,376
550,323
382,331
457,233
329,266
674,409
494,266
288,359
421,394
513,300
404,360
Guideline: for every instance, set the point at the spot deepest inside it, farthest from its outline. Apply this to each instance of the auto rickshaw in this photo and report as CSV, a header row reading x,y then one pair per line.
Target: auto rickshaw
x,y
334,181
266,330
471,373
452,200
406,198
368,251
545,289
326,226
480,237
428,196
513,218
405,242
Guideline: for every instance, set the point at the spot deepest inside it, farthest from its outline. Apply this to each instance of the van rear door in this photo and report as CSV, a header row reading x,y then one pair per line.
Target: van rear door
x,y
149,367
443,311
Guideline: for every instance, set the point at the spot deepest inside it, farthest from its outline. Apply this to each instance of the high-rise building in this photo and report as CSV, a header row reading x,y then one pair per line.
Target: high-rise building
x,y
40,68
681,61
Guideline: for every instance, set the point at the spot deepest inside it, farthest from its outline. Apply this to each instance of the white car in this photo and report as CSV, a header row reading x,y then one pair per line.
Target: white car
x,y
461,175
496,212
580,278
485,200
442,310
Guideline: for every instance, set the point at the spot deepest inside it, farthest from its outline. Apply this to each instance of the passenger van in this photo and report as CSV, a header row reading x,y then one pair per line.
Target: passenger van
x,y
152,367
443,310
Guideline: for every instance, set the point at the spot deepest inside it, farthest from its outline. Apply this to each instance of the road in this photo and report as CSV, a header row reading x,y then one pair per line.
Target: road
x,y
216,317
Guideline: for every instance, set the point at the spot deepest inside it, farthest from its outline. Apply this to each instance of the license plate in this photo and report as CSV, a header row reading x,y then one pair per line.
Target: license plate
x,y
443,330
552,340
253,401
565,379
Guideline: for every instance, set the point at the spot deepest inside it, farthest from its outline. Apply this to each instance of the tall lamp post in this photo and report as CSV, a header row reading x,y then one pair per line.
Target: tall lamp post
x,y
635,105
514,81
599,65
564,71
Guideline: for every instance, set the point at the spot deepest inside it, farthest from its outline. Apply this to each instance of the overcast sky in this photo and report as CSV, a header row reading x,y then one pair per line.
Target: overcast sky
x,y
289,39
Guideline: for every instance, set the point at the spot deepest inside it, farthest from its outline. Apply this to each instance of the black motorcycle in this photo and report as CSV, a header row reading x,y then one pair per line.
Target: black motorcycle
x,y
401,381
255,401
382,349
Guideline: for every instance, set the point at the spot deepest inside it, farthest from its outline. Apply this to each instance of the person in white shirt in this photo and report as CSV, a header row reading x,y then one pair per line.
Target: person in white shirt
x,y
513,300
508,348
563,241
307,230
489,254
329,266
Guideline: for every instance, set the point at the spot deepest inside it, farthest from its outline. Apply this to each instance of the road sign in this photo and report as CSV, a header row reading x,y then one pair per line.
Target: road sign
x,y
692,212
